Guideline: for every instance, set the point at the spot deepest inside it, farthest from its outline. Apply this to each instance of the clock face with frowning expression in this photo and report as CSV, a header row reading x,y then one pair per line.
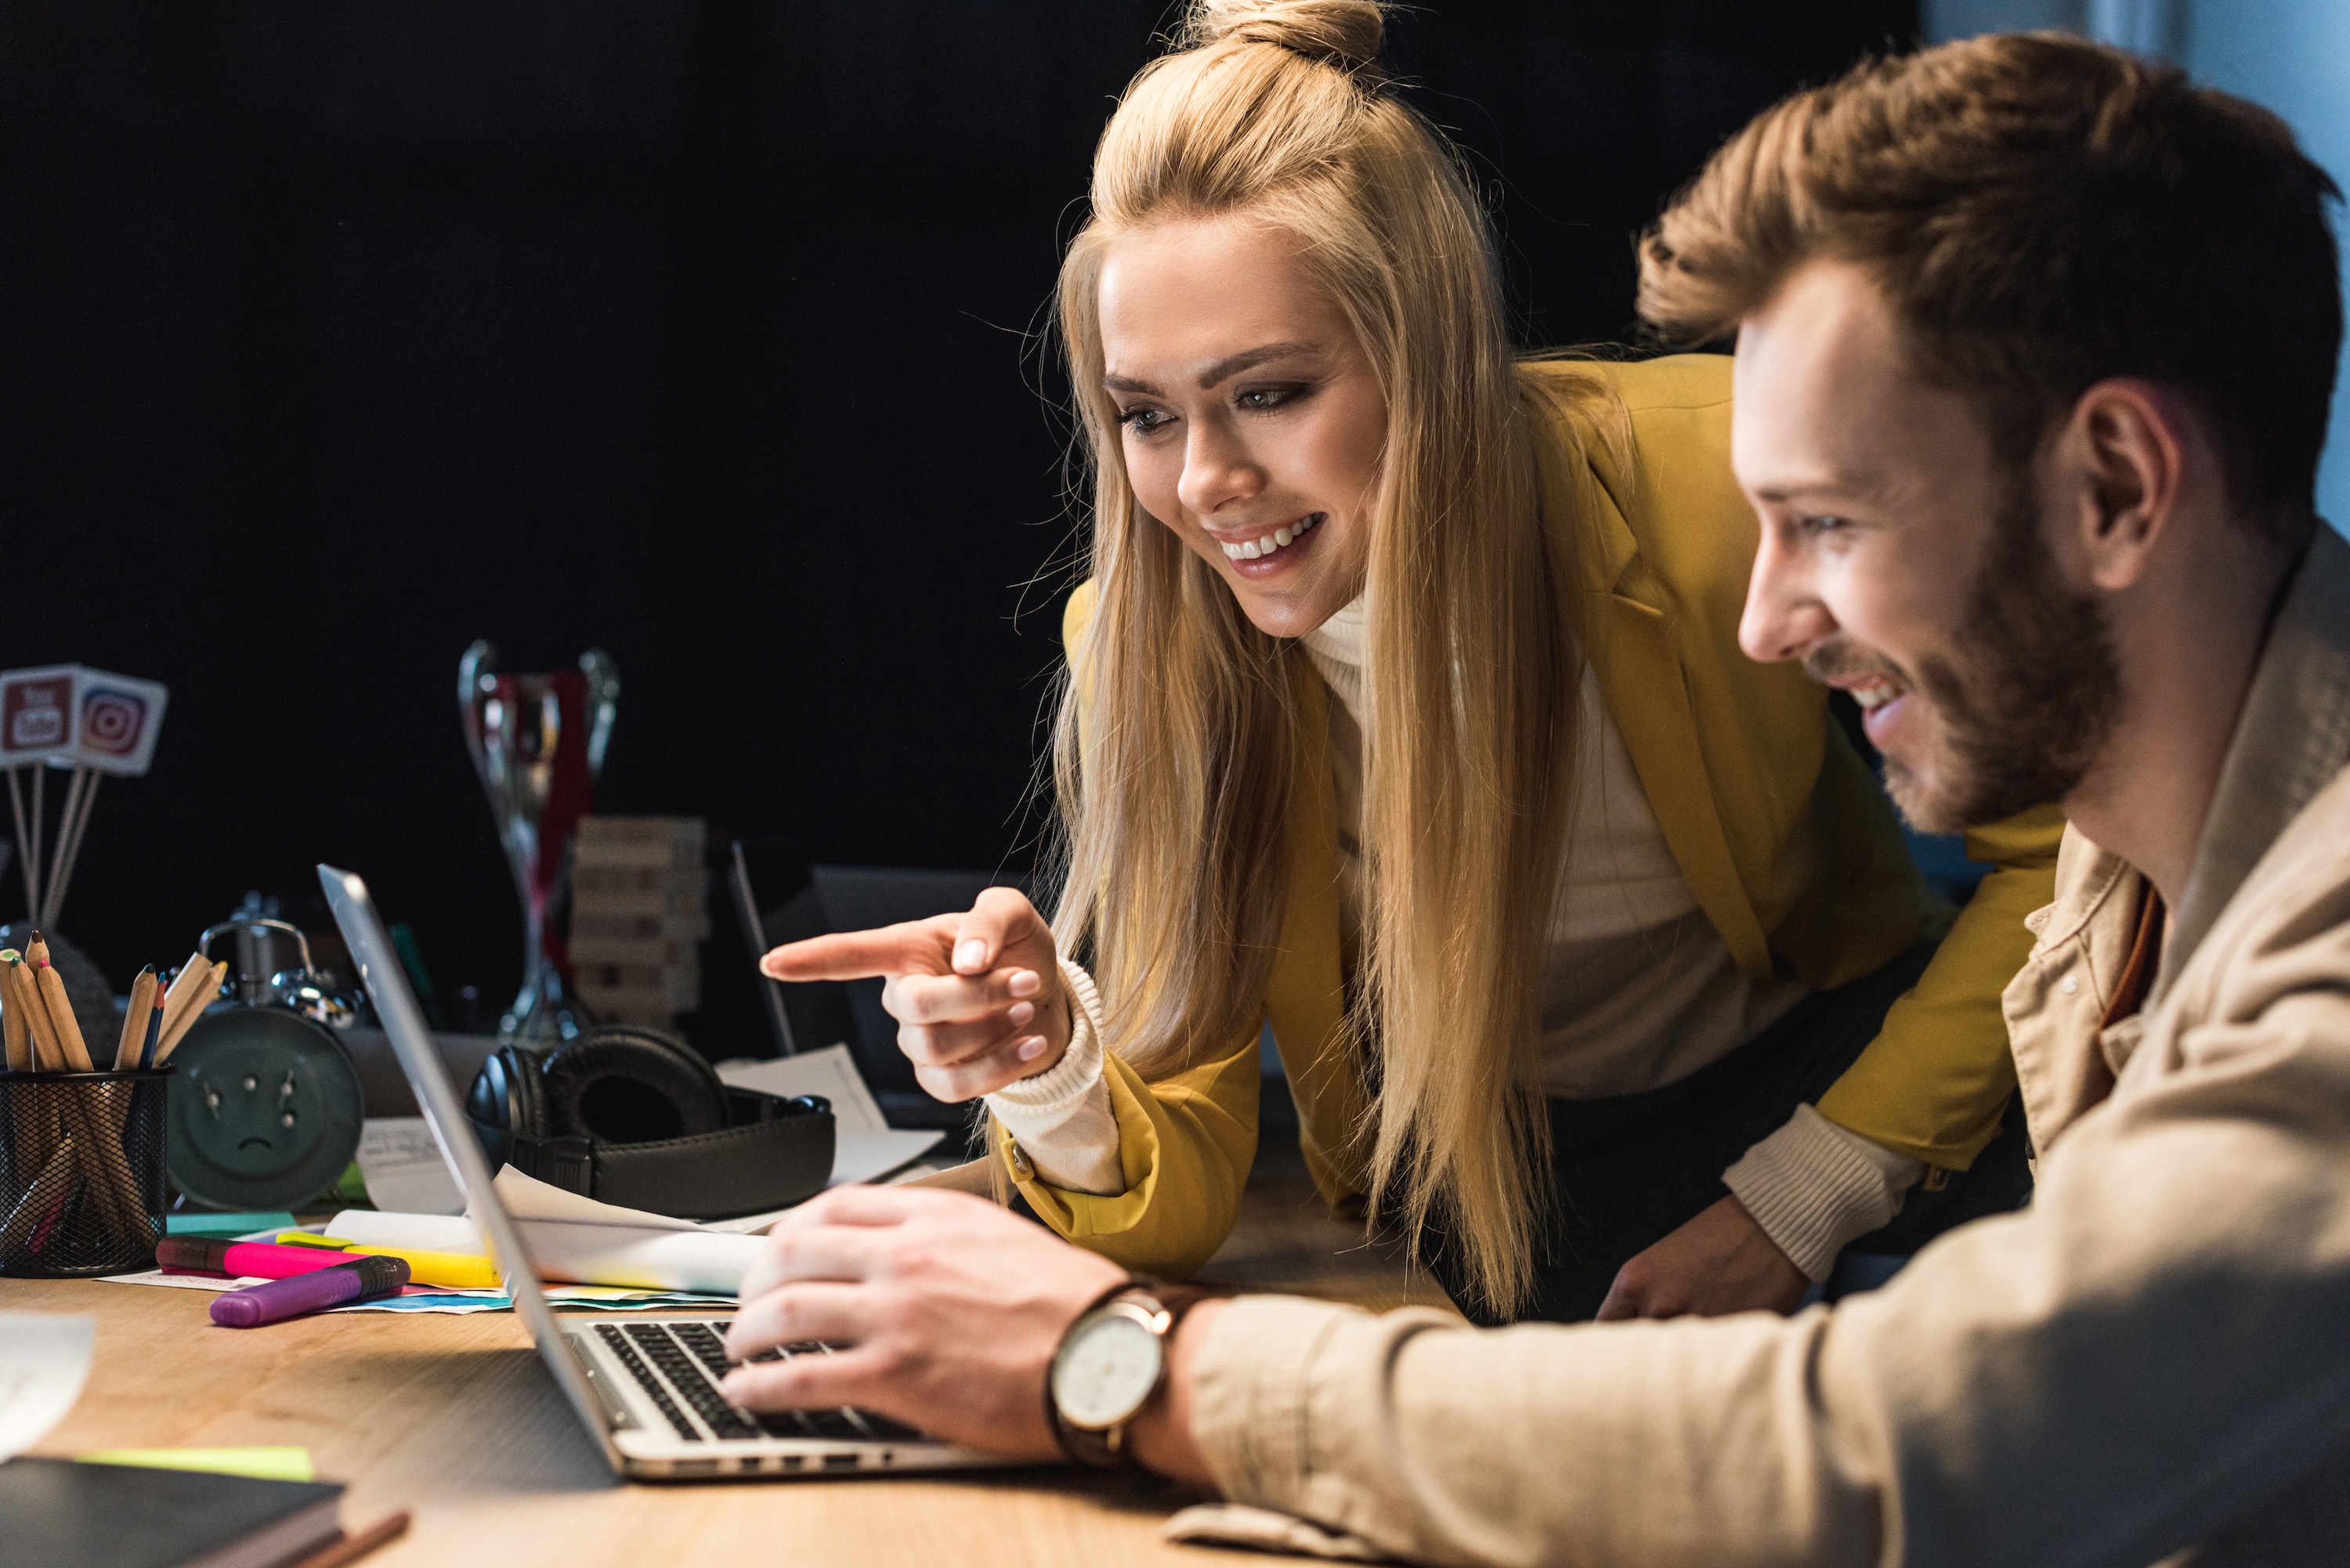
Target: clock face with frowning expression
x,y
265,1110
1106,1371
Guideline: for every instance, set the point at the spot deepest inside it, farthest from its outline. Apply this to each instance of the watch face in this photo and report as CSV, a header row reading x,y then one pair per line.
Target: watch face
x,y
1106,1372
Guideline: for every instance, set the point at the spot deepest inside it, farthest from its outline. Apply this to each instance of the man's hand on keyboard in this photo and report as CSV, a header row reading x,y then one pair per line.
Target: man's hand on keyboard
x,y
946,1311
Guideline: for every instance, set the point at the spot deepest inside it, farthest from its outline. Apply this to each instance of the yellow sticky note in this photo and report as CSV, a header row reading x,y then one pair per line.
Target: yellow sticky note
x,y
260,1463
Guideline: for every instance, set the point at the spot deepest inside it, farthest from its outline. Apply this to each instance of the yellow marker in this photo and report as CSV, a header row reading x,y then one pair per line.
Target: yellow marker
x,y
450,1270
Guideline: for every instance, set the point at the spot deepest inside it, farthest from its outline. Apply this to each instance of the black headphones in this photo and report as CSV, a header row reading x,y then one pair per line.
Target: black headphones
x,y
636,1117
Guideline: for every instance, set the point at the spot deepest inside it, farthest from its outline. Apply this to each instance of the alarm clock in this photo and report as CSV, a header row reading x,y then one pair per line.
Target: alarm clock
x,y
265,1110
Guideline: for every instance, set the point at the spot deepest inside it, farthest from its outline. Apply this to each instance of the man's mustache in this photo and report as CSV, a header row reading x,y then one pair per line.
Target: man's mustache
x,y
1835,661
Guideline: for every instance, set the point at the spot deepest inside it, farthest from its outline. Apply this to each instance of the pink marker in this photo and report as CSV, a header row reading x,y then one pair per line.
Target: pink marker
x,y
360,1280
253,1260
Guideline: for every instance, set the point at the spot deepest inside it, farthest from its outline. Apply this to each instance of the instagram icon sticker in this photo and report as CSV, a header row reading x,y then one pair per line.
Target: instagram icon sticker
x,y
119,718
37,712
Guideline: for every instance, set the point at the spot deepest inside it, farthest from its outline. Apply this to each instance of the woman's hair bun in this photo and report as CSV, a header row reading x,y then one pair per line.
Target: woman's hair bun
x,y
1345,34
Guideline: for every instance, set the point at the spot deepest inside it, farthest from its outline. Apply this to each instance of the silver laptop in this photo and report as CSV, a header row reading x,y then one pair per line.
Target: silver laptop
x,y
645,1388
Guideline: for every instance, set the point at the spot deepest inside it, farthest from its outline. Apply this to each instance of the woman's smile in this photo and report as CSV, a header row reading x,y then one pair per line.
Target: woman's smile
x,y
1260,553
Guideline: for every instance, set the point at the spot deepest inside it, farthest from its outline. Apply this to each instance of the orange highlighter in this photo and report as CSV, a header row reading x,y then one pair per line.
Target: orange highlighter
x,y
450,1270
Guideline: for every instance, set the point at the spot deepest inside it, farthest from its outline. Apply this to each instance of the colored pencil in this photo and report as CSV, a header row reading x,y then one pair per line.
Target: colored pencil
x,y
60,1006
154,1028
12,1017
134,1021
192,1007
48,1055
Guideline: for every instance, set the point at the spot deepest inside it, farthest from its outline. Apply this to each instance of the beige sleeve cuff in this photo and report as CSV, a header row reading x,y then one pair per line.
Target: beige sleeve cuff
x,y
1813,1187
1254,1398
1411,1436
1061,1118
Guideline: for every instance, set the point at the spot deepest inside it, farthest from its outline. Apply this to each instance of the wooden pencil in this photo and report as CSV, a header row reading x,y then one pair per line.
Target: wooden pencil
x,y
60,1006
154,1036
134,1021
109,1184
12,1017
189,988
192,1007
48,1055
36,1133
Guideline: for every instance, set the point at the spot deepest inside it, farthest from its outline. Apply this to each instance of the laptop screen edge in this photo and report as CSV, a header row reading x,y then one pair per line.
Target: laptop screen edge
x,y
436,1097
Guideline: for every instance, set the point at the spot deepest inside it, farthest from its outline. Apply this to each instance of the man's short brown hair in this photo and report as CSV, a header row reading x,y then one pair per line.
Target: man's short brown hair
x,y
2042,212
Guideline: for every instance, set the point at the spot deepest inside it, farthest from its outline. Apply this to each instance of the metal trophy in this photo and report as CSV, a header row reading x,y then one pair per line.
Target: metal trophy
x,y
539,741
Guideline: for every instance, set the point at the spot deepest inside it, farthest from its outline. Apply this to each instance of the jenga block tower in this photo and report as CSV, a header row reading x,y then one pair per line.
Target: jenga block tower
x,y
638,917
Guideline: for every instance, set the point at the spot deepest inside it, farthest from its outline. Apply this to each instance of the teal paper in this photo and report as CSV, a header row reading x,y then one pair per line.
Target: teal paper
x,y
228,1226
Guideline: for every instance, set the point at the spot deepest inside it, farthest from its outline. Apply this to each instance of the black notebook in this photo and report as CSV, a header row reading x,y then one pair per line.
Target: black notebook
x,y
125,1516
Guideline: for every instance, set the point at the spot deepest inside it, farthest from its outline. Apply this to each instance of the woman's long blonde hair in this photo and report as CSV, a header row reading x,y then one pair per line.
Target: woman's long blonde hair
x,y
1175,740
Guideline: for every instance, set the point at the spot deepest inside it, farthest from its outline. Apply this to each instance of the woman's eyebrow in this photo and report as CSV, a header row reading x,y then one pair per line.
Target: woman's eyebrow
x,y
1222,370
1248,358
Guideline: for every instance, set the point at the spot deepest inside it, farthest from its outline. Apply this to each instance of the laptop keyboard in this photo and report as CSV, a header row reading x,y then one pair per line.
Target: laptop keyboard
x,y
679,1365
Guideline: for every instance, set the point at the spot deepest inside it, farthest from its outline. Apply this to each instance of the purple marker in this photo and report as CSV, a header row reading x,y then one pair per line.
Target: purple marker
x,y
360,1280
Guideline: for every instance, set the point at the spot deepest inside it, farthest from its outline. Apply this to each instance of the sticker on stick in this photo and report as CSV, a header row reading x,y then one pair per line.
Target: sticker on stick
x,y
119,719
38,713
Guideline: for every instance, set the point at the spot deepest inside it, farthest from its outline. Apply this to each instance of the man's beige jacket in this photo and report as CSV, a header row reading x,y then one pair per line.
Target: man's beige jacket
x,y
2150,1364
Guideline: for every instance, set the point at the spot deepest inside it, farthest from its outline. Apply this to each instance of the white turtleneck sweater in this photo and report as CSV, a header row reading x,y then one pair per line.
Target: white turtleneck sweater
x,y
1639,992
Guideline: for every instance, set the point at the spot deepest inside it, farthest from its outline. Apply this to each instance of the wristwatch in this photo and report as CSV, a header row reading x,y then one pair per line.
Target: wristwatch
x,y
1110,1363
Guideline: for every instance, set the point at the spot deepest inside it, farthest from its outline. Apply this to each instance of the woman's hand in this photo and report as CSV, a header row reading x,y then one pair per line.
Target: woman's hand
x,y
977,998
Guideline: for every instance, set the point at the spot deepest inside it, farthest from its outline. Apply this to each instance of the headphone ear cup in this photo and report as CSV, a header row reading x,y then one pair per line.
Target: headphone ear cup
x,y
526,1079
507,1101
625,1084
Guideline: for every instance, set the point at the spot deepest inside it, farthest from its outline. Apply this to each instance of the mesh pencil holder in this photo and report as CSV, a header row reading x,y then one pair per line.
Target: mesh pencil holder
x,y
81,1172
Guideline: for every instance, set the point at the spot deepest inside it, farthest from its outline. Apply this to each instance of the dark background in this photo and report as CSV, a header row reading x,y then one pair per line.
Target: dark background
x,y
335,337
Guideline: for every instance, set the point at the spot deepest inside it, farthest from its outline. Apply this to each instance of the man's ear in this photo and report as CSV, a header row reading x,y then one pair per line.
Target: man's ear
x,y
2123,463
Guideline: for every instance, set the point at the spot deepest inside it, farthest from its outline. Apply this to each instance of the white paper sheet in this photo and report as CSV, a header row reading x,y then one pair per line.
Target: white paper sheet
x,y
574,1239
830,1072
591,1244
416,1233
404,1169
44,1362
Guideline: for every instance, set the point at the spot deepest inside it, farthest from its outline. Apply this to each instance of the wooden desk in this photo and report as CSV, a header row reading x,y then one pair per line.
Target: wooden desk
x,y
455,1419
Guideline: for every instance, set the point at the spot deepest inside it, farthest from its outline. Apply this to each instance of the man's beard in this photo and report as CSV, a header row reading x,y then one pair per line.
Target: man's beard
x,y
2026,722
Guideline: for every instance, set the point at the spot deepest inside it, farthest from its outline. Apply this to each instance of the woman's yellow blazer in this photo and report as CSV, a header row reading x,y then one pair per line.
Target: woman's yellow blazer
x,y
1787,843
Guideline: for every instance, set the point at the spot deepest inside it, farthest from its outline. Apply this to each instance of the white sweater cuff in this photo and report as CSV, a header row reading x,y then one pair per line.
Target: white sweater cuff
x,y
1813,1187
1061,1118
1051,1093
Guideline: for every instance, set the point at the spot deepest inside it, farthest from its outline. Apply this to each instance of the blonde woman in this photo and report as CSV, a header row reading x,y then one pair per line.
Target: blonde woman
x,y
1405,714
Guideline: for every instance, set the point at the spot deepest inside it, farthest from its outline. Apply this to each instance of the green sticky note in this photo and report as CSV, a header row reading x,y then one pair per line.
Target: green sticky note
x,y
260,1463
230,1225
